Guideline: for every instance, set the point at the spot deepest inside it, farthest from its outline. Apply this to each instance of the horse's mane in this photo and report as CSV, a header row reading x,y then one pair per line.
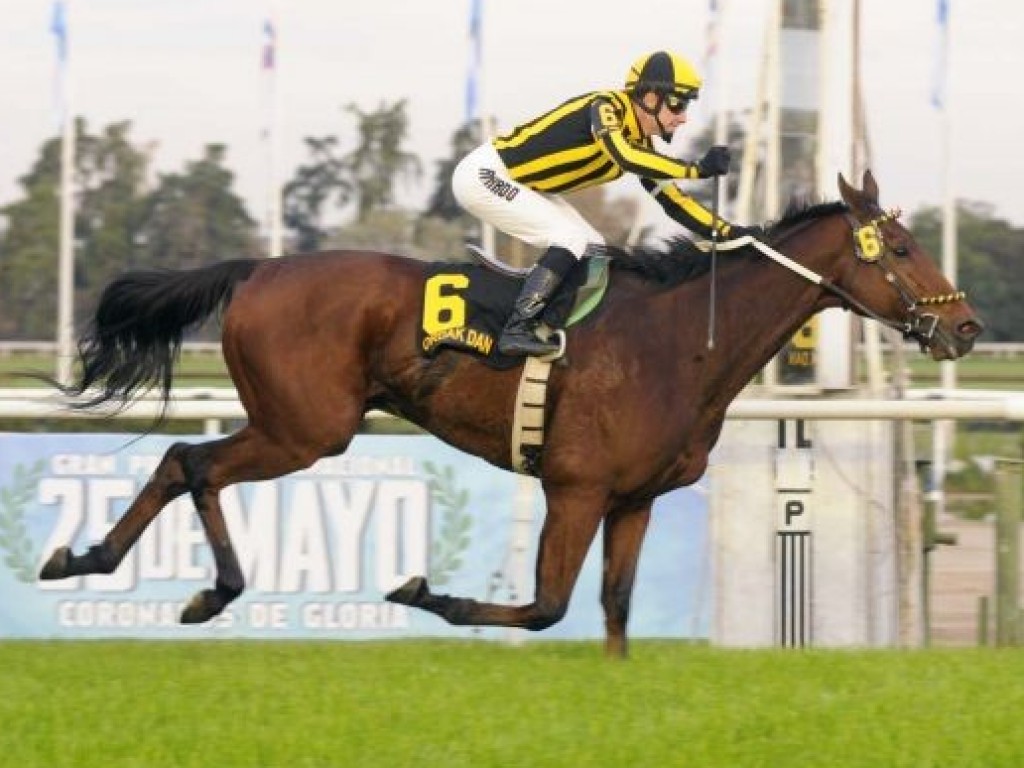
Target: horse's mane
x,y
678,260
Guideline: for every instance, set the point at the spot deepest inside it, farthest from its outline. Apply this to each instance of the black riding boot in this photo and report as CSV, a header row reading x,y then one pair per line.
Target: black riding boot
x,y
519,336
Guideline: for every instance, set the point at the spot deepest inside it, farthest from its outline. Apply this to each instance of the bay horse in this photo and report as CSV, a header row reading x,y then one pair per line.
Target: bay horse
x,y
313,342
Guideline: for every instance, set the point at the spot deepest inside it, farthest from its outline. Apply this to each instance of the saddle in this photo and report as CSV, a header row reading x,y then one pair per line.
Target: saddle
x,y
465,306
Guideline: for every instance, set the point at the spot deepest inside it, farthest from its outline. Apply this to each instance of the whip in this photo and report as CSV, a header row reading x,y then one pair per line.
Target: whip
x,y
714,260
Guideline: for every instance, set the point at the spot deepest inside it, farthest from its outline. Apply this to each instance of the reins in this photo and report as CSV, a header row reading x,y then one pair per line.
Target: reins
x,y
869,248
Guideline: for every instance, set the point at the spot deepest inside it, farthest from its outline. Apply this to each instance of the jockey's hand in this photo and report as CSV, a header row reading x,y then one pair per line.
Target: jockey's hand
x,y
714,163
737,231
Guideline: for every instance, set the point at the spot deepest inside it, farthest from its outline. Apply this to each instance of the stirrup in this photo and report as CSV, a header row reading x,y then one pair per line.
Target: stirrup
x,y
556,354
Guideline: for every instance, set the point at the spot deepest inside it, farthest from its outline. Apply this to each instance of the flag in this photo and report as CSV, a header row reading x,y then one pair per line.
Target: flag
x,y
941,54
269,44
711,34
473,74
59,30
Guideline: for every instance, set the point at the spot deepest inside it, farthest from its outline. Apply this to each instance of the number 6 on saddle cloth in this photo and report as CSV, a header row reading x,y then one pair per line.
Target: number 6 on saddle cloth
x,y
465,306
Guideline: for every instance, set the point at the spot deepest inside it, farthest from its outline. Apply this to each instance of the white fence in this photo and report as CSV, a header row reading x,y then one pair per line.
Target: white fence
x,y
216,404
7,348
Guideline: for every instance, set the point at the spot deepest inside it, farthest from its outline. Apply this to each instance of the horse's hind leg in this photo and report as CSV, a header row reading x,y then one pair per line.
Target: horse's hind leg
x,y
568,531
201,470
624,530
167,483
246,456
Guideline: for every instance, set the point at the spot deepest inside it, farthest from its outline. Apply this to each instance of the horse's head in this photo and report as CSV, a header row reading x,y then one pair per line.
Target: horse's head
x,y
898,282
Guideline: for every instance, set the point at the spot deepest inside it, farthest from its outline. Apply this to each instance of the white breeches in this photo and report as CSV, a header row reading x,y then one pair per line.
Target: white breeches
x,y
482,186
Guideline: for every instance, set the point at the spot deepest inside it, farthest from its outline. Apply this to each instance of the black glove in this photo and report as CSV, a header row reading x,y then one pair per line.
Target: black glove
x,y
736,231
714,163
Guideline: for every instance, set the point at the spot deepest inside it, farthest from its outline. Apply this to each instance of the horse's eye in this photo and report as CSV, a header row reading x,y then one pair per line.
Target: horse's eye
x,y
901,250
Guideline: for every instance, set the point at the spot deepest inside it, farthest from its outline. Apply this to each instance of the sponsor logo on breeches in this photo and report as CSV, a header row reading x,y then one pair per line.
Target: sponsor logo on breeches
x,y
499,187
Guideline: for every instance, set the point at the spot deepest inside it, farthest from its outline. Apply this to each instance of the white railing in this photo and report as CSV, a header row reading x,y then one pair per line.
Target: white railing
x,y
216,404
7,348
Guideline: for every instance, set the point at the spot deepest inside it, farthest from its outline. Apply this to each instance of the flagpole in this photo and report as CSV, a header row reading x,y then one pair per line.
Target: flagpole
x,y
943,430
65,259
475,109
717,74
949,212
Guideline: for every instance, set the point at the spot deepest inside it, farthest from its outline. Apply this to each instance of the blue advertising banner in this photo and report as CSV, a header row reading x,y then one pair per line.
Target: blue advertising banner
x,y
319,548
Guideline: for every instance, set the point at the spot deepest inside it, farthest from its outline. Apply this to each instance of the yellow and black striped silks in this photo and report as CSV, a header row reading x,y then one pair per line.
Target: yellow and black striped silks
x,y
592,139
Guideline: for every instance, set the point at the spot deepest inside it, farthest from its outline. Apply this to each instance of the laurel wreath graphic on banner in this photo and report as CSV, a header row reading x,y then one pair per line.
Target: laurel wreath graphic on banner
x,y
452,539
19,554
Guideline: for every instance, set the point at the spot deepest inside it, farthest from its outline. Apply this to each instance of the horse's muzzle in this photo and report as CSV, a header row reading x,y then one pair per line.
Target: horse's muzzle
x,y
955,342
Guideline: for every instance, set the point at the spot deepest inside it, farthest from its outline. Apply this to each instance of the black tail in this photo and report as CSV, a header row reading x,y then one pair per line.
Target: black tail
x,y
135,336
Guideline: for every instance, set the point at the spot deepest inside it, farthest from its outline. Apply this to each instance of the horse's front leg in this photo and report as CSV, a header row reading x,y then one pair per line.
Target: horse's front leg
x,y
624,530
569,528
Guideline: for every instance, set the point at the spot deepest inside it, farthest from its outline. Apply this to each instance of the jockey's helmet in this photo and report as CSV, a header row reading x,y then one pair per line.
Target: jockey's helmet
x,y
663,73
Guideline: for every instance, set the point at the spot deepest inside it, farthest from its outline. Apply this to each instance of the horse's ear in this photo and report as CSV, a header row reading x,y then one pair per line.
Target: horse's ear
x,y
850,195
870,187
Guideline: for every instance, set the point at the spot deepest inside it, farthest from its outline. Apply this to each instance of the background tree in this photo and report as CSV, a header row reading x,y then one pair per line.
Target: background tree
x,y
378,161
311,188
194,218
28,252
109,173
108,216
990,267
442,203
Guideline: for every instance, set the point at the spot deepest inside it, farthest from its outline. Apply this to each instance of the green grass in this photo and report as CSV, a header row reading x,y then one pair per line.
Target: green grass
x,y
479,704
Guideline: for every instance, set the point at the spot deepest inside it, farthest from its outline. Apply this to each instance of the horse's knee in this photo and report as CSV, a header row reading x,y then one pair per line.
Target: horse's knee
x,y
545,615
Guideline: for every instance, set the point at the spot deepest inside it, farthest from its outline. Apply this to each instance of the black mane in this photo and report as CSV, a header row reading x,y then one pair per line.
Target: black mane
x,y
677,260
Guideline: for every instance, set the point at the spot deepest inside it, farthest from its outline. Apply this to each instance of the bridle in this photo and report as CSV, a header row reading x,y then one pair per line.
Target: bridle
x,y
870,247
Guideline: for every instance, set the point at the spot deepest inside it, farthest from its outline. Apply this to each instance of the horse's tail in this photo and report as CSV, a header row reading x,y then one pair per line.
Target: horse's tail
x,y
135,336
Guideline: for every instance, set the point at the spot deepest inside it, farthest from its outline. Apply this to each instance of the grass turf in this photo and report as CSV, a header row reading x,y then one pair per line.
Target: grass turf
x,y
451,704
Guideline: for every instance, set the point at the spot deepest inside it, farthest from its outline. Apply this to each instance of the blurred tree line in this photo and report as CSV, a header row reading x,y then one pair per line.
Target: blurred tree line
x,y
126,218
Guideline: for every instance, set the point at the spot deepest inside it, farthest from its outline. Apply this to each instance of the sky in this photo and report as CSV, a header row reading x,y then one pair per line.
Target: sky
x,y
187,73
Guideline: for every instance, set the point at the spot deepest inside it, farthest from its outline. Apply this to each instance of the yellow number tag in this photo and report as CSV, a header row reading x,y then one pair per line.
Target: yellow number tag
x,y
608,117
443,308
870,243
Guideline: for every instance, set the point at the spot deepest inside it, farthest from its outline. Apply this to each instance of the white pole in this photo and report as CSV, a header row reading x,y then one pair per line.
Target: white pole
x,y
942,431
66,256
772,161
748,171
716,66
487,122
270,65
949,213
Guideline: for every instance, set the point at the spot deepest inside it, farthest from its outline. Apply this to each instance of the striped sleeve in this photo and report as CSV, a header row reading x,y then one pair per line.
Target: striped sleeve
x,y
685,210
628,155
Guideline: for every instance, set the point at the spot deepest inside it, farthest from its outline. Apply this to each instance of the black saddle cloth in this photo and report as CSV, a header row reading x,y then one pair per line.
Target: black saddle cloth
x,y
485,299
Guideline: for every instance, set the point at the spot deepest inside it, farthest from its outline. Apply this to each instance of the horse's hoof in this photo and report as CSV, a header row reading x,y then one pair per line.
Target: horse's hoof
x,y
410,593
201,608
57,566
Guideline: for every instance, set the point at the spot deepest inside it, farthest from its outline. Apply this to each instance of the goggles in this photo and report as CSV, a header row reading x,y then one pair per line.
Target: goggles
x,y
676,103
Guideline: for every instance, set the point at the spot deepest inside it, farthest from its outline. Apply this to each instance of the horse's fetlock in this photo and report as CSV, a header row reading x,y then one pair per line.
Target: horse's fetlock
x,y
103,559
230,587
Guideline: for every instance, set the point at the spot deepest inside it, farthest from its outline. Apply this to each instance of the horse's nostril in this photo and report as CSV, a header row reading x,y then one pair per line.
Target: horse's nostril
x,y
970,328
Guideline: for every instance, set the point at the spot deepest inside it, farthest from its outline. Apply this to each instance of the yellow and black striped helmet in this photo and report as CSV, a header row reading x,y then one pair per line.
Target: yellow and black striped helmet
x,y
663,72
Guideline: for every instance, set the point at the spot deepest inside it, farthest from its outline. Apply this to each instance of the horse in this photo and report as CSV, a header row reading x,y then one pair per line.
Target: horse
x,y
313,342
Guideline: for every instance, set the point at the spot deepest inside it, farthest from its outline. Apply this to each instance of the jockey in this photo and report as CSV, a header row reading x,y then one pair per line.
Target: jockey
x,y
514,181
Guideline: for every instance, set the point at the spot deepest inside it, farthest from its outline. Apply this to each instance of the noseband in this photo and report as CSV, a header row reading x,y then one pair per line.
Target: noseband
x,y
870,247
